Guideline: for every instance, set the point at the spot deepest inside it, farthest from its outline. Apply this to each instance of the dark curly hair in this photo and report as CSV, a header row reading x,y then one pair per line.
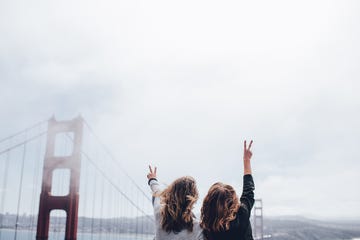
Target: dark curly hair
x,y
219,208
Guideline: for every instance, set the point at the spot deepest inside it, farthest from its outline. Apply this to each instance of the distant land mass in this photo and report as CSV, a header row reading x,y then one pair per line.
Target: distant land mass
x,y
300,228
277,228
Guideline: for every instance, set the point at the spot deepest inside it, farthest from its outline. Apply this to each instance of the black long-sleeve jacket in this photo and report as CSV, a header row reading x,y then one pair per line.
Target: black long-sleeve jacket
x,y
240,227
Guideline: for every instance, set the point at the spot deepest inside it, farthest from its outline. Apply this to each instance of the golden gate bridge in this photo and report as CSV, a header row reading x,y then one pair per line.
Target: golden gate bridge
x,y
59,181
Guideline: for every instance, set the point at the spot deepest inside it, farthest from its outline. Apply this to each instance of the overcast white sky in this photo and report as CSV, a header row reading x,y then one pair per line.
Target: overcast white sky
x,y
180,84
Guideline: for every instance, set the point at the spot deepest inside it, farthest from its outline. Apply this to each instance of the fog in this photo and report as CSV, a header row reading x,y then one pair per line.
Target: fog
x,y
180,85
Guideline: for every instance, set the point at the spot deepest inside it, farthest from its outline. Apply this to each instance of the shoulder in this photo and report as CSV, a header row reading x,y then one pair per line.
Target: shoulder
x,y
197,230
242,217
243,212
196,226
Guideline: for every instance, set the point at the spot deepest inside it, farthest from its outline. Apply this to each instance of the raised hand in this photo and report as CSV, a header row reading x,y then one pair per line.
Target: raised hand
x,y
247,157
152,173
247,152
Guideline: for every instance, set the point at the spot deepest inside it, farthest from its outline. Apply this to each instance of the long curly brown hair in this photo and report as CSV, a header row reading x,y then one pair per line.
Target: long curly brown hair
x,y
177,202
219,208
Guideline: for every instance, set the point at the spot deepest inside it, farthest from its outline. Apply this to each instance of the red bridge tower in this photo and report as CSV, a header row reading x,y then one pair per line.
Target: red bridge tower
x,y
70,202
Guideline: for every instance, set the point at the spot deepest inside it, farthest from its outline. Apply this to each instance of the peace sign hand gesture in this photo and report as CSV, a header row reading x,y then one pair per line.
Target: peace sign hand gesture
x,y
247,157
152,173
247,152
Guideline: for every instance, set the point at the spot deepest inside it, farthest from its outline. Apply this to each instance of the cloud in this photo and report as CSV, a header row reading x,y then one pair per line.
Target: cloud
x,y
181,85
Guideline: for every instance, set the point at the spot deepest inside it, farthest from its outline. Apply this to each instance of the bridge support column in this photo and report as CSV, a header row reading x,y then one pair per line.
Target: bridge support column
x,y
70,202
258,224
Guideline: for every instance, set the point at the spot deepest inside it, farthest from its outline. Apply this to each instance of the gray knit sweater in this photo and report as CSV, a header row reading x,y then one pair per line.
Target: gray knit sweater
x,y
161,234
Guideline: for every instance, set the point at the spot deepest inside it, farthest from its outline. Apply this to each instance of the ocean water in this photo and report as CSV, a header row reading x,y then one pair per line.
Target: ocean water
x,y
9,234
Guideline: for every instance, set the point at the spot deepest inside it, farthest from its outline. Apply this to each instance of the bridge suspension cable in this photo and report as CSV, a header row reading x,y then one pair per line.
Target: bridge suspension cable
x,y
20,191
103,174
14,152
23,142
110,205
24,130
116,161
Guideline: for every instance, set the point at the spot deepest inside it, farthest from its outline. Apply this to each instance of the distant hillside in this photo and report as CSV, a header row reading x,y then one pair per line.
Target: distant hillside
x,y
307,229
280,228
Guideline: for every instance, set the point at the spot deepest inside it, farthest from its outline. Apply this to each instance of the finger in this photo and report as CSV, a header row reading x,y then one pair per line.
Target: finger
x,y
250,144
155,170
150,169
244,145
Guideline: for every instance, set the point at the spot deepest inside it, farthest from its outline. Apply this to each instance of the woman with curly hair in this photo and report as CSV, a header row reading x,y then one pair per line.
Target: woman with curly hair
x,y
173,206
223,216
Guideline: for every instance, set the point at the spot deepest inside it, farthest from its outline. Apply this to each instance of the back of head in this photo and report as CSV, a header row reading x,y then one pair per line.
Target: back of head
x,y
177,201
219,208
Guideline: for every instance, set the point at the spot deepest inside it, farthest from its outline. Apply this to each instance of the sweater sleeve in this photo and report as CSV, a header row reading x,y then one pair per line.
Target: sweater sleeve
x,y
247,198
155,188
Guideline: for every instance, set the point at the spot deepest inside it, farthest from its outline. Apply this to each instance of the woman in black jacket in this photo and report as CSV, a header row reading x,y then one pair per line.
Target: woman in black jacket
x,y
223,216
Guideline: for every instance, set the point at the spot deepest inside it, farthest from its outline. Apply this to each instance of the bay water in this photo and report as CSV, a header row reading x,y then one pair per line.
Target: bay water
x,y
9,234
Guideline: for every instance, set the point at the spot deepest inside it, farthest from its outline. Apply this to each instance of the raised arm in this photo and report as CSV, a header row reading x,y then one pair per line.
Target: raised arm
x,y
247,196
154,185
